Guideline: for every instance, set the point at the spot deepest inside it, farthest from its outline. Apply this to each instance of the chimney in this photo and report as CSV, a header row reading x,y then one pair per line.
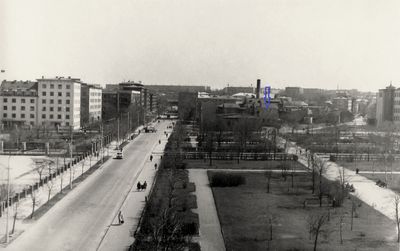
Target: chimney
x,y
258,88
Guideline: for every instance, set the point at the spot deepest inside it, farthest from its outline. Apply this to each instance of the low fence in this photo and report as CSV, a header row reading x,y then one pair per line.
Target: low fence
x,y
232,156
350,157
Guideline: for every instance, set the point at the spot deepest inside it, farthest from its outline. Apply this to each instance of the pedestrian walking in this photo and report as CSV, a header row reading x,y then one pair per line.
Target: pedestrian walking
x,y
144,185
120,218
151,157
138,186
159,141
155,166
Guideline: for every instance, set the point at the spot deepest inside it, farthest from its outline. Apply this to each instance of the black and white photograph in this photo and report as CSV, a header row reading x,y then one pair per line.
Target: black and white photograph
x,y
199,125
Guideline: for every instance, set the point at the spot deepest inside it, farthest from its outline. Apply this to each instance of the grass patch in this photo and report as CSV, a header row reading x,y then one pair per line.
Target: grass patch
x,y
245,213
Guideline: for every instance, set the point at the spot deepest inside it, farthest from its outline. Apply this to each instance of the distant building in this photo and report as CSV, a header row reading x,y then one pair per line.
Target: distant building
x,y
385,105
342,103
293,92
230,90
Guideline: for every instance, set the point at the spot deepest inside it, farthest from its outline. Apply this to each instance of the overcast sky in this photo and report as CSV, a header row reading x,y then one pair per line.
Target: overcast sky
x,y
315,43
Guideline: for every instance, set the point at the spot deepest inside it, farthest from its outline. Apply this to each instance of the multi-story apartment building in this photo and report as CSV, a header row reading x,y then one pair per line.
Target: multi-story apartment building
x,y
385,104
49,101
91,102
59,101
18,103
342,103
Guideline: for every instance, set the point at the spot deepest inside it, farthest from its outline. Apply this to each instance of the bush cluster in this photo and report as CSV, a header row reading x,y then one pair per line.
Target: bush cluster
x,y
227,180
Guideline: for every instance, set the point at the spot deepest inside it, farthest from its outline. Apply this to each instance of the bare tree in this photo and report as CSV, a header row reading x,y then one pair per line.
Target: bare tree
x,y
316,222
268,174
33,200
16,205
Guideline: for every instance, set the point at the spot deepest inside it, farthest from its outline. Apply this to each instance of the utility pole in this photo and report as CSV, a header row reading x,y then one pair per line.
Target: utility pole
x,y
70,155
101,143
118,132
8,196
129,125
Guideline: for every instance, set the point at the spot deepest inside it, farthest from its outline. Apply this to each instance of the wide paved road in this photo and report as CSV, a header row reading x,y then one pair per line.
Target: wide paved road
x,y
79,220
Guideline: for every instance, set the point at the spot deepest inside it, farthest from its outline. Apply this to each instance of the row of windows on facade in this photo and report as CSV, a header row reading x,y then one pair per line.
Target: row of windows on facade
x,y
32,116
59,86
14,100
68,94
32,108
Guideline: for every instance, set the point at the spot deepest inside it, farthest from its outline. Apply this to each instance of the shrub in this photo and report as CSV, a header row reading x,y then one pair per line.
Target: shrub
x,y
227,180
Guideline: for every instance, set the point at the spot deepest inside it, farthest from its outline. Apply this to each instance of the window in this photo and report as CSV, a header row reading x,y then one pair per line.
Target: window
x,y
68,86
51,101
32,101
32,116
67,116
32,108
13,100
51,93
67,109
43,93
4,115
44,108
43,85
59,109
59,116
60,94
67,102
5,100
14,108
51,86
43,101
59,101
68,94
22,100
13,115
22,108
5,108
67,123
22,115
59,86
51,116
43,116
51,109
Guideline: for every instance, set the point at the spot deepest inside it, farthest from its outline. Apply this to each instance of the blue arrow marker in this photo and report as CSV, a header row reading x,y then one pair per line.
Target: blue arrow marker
x,y
265,96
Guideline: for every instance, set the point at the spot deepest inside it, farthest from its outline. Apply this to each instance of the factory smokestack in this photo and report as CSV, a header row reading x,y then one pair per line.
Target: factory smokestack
x,y
258,88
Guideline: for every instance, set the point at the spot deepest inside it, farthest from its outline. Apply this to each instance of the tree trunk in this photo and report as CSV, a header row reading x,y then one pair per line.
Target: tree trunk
x,y
316,240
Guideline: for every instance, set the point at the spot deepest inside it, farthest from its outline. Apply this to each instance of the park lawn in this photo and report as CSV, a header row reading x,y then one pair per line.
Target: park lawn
x,y
244,212
377,166
393,181
243,164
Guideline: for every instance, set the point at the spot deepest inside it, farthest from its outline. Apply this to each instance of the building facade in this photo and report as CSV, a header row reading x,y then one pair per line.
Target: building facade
x,y
385,105
18,103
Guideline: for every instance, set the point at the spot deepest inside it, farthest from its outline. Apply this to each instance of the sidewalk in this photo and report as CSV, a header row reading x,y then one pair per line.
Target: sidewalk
x,y
120,237
210,229
382,199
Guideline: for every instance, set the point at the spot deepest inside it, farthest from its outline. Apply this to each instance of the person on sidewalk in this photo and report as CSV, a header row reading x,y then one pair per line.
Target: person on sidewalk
x,y
151,157
120,218
144,185
155,166
138,186
159,141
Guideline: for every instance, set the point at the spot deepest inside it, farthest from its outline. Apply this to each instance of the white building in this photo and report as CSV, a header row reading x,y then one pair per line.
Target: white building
x,y
59,101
